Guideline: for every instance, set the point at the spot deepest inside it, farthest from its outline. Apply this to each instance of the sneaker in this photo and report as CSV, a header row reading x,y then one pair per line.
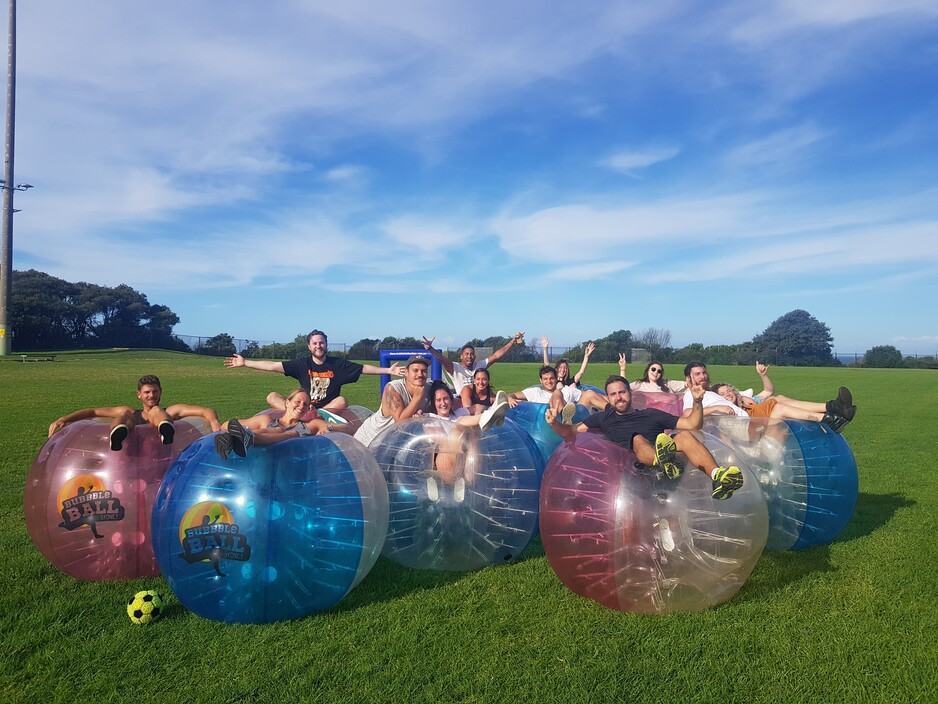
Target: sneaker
x,y
167,432
726,480
493,416
501,397
566,415
433,492
223,444
241,437
119,433
835,421
665,454
459,490
666,535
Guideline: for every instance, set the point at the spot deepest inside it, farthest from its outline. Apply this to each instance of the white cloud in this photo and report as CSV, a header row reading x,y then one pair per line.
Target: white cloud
x,y
628,161
780,147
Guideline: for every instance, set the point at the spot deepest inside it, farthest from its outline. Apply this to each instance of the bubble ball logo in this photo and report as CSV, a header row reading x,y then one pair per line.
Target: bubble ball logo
x,y
85,500
208,533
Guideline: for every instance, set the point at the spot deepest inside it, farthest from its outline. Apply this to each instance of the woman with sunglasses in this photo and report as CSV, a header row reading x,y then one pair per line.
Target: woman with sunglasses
x,y
653,381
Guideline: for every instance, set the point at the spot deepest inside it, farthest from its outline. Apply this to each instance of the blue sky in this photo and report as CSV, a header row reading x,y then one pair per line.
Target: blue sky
x,y
427,168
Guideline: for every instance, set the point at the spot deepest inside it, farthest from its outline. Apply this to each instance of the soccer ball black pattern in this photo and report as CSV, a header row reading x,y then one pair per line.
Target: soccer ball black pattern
x,y
145,607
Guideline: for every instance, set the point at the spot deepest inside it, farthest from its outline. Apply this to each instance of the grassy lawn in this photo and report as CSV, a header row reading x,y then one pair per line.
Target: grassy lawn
x,y
855,620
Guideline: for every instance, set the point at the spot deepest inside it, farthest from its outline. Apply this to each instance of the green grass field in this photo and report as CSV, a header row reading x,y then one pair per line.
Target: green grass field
x,y
855,620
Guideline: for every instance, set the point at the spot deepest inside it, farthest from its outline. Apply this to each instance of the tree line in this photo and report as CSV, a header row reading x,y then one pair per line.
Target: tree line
x,y
48,313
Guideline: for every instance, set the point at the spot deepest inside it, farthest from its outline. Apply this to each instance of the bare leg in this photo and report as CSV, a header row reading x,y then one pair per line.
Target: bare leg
x,y
557,402
593,399
447,452
803,405
784,410
693,449
337,404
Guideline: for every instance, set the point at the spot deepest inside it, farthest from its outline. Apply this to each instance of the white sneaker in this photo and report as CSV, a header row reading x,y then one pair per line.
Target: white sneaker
x,y
501,397
667,537
566,415
493,416
459,490
433,492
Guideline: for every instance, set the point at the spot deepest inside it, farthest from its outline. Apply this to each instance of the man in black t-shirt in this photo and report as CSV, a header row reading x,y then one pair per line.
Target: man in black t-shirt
x,y
643,432
321,376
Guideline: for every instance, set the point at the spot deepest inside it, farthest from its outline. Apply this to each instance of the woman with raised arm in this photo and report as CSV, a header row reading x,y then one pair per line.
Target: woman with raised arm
x,y
653,381
563,365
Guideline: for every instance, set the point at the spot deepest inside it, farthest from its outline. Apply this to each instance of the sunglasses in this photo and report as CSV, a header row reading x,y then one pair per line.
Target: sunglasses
x,y
656,369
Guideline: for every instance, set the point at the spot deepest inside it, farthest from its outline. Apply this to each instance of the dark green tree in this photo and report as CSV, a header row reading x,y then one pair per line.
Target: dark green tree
x,y
796,339
882,357
50,313
694,352
222,345
366,348
608,347
250,349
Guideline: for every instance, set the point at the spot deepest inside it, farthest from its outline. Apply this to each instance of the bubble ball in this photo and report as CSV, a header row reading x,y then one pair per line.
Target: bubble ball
x,y
807,473
530,417
284,532
634,541
477,508
87,508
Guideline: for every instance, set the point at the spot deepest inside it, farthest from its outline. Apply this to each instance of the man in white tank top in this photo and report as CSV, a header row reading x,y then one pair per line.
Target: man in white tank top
x,y
402,399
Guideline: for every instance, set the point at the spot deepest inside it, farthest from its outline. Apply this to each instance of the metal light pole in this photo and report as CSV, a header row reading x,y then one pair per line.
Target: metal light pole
x,y
6,265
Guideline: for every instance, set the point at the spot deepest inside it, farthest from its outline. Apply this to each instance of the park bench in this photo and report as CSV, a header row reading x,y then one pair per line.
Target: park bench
x,y
37,357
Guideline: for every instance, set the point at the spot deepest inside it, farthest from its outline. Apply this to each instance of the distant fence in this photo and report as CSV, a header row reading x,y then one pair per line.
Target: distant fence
x,y
531,353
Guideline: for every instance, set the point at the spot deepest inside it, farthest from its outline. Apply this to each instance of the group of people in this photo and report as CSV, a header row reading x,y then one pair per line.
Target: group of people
x,y
653,435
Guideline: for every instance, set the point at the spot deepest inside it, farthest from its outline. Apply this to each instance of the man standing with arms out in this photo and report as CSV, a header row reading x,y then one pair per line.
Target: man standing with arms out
x,y
402,399
642,431
125,418
461,372
320,376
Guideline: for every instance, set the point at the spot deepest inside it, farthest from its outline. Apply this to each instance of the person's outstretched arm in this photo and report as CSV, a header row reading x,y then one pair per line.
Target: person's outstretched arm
x,y
184,410
545,343
587,351
236,360
768,388
567,432
85,413
445,361
394,370
516,339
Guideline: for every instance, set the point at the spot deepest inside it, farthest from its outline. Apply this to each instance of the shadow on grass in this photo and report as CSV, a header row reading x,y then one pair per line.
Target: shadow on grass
x,y
778,569
388,580
873,511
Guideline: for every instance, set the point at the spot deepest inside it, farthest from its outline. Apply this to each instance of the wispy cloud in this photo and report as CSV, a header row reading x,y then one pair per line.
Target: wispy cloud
x,y
627,162
783,146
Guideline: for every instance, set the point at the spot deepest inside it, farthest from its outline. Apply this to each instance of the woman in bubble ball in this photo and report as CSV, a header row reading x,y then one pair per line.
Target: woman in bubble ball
x,y
450,447
239,435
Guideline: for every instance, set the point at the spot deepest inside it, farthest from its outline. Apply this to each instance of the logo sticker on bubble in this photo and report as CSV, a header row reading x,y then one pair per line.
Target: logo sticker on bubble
x,y
86,501
208,533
